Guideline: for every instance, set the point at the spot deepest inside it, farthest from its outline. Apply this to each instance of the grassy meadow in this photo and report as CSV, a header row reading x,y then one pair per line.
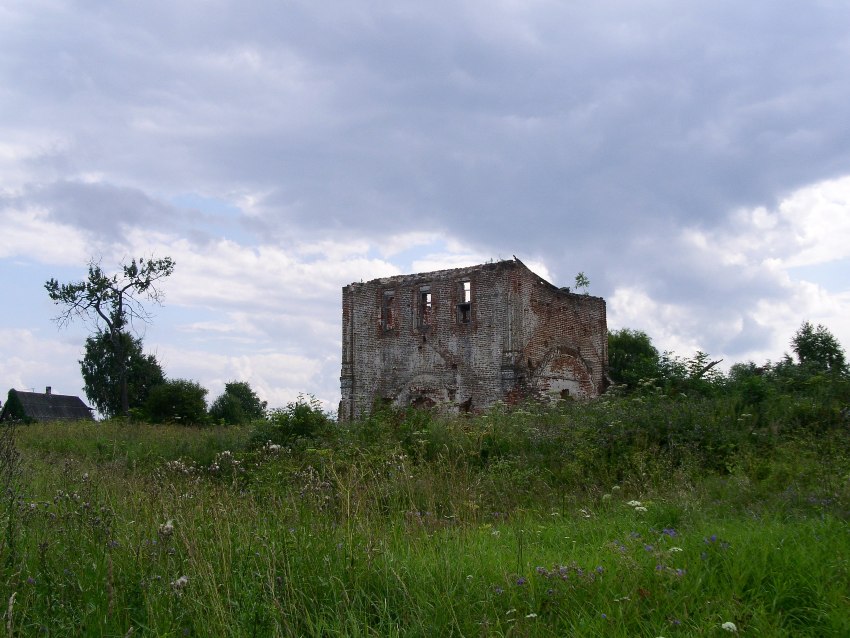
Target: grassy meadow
x,y
628,516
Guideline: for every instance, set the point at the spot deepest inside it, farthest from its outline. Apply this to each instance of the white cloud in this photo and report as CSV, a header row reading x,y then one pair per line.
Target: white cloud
x,y
32,362
277,378
31,233
810,226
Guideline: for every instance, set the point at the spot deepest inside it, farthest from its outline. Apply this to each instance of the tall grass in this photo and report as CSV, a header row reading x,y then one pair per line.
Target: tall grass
x,y
619,518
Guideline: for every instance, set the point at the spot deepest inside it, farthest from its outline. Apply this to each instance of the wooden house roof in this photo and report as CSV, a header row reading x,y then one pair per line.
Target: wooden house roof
x,y
45,406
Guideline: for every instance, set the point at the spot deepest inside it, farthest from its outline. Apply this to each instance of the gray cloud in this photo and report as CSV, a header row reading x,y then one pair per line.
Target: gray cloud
x,y
585,135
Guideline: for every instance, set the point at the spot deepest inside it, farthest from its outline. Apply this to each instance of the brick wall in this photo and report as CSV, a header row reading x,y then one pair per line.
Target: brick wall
x,y
414,340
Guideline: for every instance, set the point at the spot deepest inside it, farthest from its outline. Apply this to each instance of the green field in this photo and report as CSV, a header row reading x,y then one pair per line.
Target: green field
x,y
643,516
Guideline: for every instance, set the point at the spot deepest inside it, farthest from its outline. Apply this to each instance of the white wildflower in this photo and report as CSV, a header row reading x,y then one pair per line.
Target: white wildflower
x,y
640,508
634,503
531,615
167,528
676,549
179,584
729,626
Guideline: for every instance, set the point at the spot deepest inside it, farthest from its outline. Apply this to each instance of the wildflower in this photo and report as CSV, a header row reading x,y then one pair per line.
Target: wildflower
x,y
521,581
606,497
179,584
669,531
616,488
634,503
640,508
675,549
166,529
531,615
729,626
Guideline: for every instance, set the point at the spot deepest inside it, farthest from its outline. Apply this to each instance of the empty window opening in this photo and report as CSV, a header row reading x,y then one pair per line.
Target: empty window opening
x,y
388,310
464,308
426,310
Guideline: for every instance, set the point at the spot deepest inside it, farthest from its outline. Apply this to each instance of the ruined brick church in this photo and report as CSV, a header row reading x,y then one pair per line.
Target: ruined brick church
x,y
467,338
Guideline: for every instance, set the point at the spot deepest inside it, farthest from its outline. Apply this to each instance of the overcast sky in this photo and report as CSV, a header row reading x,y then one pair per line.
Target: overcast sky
x,y
693,159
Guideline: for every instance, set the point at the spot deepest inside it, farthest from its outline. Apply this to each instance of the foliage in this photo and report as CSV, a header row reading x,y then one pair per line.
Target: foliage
x,y
582,282
112,303
101,372
543,537
238,404
817,350
631,357
302,419
177,401
653,513
14,409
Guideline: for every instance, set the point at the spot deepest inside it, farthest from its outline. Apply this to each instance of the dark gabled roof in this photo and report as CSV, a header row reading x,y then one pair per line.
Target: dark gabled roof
x,y
38,406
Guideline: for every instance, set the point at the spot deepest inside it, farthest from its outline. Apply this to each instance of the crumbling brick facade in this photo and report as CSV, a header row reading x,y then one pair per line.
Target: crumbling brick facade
x,y
467,338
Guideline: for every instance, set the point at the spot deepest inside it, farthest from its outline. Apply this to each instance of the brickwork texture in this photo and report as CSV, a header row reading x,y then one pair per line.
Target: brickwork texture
x,y
467,338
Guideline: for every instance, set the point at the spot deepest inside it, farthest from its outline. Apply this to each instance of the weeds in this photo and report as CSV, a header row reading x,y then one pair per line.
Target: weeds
x,y
648,516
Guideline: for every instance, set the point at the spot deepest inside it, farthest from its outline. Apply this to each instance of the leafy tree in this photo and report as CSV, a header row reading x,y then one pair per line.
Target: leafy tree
x,y
631,357
112,303
101,372
238,404
818,350
177,401
751,383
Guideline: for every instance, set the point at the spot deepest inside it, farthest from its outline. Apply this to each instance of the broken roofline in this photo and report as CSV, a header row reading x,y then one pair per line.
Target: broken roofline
x,y
459,273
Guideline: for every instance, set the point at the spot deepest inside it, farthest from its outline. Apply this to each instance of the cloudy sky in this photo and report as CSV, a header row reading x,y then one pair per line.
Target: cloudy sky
x,y
693,159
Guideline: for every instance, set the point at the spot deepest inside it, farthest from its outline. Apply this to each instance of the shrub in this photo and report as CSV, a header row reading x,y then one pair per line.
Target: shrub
x,y
177,401
303,418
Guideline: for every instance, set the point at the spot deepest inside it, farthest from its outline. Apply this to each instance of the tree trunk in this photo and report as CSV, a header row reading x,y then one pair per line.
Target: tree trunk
x,y
121,357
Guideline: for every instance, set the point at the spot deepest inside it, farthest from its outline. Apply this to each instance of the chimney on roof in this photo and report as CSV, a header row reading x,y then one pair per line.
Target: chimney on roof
x,y
47,391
